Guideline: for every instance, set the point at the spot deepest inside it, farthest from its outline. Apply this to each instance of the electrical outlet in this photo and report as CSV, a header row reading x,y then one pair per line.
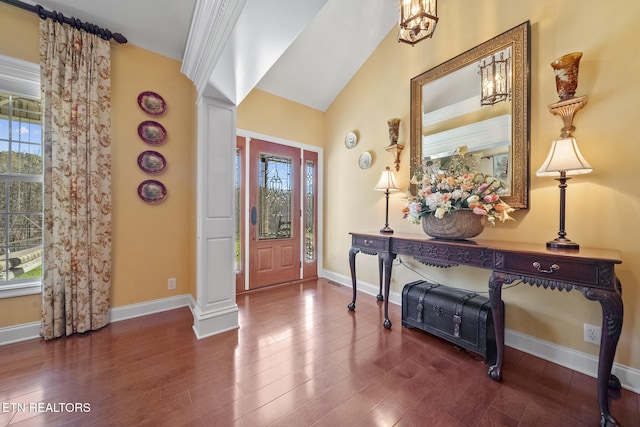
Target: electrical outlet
x,y
171,285
592,333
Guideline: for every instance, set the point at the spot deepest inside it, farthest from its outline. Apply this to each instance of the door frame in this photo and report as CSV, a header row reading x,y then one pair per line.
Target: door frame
x,y
241,143
249,135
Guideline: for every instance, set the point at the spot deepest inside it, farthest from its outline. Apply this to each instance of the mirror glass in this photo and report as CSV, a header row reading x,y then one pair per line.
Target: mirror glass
x,y
479,99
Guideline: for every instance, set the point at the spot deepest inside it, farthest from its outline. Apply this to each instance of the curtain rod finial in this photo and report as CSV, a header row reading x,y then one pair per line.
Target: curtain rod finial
x,y
119,38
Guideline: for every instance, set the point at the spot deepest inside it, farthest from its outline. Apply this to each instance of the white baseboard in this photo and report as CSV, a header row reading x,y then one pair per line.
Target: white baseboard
x,y
18,333
29,331
581,362
150,307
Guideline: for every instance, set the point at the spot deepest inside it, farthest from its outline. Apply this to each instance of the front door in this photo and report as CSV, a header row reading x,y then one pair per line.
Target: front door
x,y
274,214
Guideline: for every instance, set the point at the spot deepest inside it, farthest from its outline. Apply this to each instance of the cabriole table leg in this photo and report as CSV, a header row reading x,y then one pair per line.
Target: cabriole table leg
x,y
352,266
495,297
612,314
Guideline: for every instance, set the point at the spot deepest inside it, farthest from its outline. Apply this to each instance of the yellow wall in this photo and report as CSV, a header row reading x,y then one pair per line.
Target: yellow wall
x,y
150,243
602,207
268,114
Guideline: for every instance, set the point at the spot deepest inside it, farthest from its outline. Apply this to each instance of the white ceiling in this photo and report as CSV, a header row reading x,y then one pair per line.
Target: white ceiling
x,y
312,71
160,26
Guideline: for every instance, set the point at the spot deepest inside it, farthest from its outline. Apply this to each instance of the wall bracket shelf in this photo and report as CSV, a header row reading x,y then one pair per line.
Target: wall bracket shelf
x,y
567,110
395,149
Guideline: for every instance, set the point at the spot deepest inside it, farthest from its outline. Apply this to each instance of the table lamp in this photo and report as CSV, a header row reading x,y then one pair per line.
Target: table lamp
x,y
386,183
564,159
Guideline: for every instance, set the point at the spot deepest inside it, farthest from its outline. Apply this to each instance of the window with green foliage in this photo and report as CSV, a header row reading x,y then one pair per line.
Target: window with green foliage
x,y
21,191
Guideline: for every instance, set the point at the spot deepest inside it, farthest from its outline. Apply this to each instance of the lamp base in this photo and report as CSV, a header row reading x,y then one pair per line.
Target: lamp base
x,y
386,230
562,243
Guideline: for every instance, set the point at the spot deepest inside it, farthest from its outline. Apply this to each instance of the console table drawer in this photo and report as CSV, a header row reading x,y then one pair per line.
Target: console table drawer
x,y
552,268
370,242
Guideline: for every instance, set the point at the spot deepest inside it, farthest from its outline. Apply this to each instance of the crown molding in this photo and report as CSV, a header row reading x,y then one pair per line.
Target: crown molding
x,y
212,24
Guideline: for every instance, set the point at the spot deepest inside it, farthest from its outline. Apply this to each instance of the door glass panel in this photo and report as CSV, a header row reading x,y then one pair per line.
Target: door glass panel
x,y
238,242
275,199
309,226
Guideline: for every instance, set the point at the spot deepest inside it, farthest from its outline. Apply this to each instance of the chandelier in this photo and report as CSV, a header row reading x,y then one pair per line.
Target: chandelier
x,y
495,78
418,19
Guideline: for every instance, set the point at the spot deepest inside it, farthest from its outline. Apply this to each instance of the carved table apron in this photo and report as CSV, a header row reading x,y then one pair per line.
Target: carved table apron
x,y
591,271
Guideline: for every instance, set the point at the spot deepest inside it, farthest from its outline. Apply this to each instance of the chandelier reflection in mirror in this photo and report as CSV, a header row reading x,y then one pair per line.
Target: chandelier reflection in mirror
x,y
495,77
418,19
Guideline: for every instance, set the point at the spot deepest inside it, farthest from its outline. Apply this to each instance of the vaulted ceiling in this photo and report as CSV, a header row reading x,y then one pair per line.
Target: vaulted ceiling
x,y
330,42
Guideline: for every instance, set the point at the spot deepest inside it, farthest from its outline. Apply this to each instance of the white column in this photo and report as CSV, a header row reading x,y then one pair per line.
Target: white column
x,y
215,310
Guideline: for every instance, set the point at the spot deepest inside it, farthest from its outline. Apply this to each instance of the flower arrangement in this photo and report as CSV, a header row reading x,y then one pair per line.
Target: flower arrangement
x,y
454,183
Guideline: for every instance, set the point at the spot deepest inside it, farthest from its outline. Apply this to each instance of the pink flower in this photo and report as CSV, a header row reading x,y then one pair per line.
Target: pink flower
x,y
479,211
483,187
491,198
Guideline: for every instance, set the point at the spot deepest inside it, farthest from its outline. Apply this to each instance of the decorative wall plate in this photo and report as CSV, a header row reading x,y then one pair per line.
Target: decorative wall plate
x,y
365,160
152,162
152,133
152,191
351,140
152,103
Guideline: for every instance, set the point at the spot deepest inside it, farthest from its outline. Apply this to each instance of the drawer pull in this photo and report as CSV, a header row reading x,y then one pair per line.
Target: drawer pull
x,y
367,242
550,270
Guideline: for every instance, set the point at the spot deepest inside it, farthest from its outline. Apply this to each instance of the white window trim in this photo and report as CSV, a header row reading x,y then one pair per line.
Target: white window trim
x,y
21,78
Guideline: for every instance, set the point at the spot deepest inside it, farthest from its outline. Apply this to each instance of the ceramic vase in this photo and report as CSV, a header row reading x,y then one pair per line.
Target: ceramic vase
x,y
394,128
566,70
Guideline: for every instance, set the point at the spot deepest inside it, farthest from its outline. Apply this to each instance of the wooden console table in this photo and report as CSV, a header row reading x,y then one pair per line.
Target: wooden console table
x,y
591,271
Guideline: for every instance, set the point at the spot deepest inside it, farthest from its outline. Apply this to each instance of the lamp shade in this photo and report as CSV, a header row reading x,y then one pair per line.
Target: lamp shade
x,y
387,181
564,156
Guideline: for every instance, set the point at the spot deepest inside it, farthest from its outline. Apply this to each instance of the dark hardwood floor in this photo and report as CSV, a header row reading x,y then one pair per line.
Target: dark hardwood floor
x,y
299,358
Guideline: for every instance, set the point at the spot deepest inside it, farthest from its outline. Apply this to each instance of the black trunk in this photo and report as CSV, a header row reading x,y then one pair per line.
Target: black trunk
x,y
462,317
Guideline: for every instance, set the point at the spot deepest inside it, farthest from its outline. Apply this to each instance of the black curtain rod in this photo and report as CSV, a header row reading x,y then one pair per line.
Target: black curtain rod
x,y
103,33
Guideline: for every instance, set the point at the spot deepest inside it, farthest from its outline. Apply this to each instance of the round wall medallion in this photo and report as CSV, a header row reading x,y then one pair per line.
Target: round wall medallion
x,y
152,103
364,161
351,140
152,191
152,162
153,133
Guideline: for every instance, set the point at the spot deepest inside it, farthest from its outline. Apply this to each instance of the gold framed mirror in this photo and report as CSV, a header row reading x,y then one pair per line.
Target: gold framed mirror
x,y
464,102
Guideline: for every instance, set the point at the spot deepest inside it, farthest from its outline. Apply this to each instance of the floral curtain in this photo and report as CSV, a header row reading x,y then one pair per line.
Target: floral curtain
x,y
76,88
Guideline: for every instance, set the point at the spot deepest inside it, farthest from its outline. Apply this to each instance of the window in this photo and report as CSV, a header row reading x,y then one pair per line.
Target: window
x,y
21,179
238,181
310,211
